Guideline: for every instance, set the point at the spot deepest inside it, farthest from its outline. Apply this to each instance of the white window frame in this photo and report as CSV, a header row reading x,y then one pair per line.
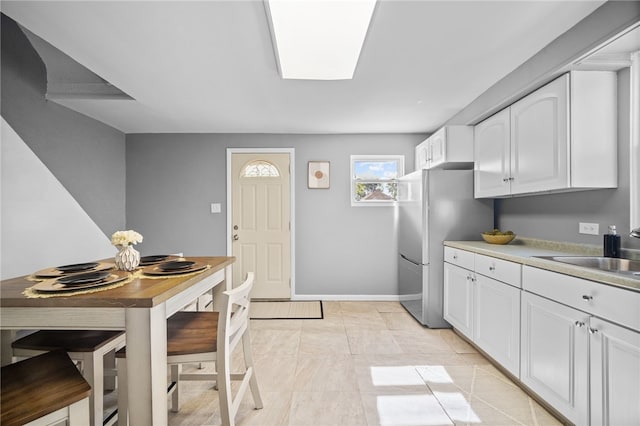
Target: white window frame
x,y
352,183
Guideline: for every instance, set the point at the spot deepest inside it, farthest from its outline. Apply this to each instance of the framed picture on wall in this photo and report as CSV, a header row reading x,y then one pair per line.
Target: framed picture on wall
x,y
318,174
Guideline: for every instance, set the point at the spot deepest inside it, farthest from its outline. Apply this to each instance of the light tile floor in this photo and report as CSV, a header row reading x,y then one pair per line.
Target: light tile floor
x,y
367,363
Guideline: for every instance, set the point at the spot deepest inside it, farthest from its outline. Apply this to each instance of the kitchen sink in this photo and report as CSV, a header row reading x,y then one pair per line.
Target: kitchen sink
x,y
607,264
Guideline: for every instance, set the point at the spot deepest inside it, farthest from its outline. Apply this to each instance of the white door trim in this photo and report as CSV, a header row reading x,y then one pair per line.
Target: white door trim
x,y
291,152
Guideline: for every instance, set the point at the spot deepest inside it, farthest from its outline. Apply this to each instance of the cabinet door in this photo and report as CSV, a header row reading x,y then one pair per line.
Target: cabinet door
x,y
615,374
422,155
497,321
540,139
492,155
458,298
437,148
554,355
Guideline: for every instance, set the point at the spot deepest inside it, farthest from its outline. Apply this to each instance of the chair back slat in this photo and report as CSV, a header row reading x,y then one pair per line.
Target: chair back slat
x,y
234,317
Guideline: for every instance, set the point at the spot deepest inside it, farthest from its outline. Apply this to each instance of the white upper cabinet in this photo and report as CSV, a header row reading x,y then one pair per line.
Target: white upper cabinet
x,y
493,156
539,139
449,148
422,155
561,137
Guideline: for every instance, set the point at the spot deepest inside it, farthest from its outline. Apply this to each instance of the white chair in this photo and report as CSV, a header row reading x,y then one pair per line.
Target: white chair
x,y
93,349
44,390
194,337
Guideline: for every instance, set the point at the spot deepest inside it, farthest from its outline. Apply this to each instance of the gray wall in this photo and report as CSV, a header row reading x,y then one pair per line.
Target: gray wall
x,y
604,23
86,156
556,217
340,250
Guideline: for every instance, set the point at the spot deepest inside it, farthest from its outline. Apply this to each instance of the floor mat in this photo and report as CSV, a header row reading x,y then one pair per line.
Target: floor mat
x,y
262,309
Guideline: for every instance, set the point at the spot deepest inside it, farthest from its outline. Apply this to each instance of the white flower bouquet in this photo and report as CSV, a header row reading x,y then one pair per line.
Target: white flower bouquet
x,y
125,238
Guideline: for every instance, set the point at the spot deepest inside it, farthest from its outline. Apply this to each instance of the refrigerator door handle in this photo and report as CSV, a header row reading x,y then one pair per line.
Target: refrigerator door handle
x,y
412,261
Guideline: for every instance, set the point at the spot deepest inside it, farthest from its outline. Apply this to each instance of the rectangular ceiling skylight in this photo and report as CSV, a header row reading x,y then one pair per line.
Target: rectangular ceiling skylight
x,y
318,39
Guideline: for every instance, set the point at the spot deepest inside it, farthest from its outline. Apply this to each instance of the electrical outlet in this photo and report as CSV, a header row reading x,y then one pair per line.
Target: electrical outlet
x,y
589,228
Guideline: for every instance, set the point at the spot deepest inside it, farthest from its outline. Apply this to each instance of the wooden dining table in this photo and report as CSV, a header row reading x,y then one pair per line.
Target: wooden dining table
x,y
140,307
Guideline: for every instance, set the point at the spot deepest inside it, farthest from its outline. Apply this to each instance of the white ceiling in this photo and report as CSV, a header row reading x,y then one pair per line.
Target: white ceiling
x,y
208,66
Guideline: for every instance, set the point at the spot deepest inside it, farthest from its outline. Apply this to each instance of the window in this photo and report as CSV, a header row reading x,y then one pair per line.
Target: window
x,y
374,179
260,168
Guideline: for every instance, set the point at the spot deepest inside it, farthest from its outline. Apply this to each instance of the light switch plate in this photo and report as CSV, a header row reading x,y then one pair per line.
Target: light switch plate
x,y
216,208
589,228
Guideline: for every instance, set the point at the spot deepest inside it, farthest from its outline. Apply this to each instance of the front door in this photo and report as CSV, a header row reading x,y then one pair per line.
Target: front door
x,y
260,217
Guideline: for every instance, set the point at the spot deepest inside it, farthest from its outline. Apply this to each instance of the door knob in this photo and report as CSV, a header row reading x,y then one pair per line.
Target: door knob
x,y
235,237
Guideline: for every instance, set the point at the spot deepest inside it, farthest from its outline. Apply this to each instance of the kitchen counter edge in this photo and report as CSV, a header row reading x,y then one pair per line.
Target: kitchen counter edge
x,y
523,251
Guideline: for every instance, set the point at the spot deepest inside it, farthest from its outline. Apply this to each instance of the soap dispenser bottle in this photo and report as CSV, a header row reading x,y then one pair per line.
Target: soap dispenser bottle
x,y
612,243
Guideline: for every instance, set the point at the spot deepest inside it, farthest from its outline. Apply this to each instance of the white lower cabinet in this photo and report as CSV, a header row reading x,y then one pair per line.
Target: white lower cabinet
x,y
555,355
574,342
615,374
497,321
485,310
458,298
590,324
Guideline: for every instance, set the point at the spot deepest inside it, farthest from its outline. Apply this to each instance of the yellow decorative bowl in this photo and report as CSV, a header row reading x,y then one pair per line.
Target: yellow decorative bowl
x,y
498,239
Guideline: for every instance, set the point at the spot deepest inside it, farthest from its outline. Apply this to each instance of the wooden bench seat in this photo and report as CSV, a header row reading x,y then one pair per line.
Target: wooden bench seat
x,y
42,385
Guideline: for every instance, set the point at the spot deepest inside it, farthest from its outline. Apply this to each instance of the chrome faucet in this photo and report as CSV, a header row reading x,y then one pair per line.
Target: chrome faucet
x,y
635,233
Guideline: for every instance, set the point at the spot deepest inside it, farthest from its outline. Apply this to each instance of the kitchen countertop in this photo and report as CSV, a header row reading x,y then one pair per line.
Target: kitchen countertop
x,y
521,250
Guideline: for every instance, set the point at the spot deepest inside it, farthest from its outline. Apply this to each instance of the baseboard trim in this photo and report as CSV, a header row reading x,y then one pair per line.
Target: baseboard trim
x,y
348,297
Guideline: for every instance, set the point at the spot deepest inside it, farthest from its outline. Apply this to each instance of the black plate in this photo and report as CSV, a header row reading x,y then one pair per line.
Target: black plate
x,y
77,267
84,278
148,260
176,265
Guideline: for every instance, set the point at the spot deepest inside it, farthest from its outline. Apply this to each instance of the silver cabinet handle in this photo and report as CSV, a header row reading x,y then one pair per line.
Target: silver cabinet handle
x,y
586,297
492,268
593,330
579,324
455,257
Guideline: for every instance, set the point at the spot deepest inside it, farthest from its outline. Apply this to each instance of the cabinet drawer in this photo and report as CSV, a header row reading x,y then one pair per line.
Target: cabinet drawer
x,y
498,269
615,304
458,257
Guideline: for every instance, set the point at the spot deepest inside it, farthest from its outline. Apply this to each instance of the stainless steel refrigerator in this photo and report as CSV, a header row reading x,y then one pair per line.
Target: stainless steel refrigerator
x,y
434,206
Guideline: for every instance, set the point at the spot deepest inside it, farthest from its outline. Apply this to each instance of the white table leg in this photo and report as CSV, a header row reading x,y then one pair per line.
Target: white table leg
x,y
147,365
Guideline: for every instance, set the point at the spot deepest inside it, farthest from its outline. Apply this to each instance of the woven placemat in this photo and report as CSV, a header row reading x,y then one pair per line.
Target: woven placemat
x,y
31,293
